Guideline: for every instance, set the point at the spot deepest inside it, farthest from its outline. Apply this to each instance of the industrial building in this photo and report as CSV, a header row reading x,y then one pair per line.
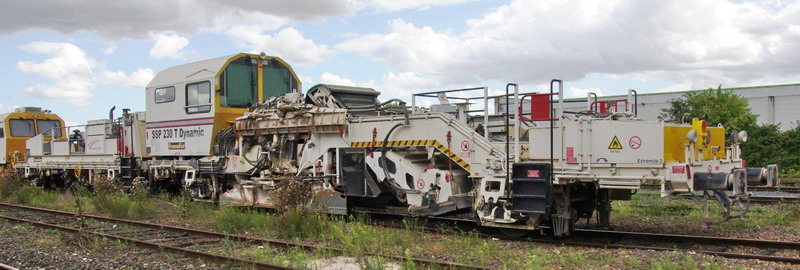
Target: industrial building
x,y
774,104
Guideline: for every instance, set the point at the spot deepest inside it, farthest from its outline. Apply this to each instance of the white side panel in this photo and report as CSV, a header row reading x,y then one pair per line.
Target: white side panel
x,y
95,144
60,148
180,141
170,131
3,150
640,142
34,145
599,141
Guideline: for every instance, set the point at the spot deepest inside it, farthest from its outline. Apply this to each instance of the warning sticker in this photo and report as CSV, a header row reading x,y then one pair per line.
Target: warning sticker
x,y
635,142
615,144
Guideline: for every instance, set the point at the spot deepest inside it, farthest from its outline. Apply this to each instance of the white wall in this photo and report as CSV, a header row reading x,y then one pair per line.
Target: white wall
x,y
774,104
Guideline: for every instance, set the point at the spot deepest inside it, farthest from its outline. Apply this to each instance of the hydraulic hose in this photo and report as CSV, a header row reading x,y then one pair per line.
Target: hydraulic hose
x,y
389,178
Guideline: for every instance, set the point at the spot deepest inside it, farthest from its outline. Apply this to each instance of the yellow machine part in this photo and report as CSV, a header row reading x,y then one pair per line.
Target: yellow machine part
x,y
675,142
17,144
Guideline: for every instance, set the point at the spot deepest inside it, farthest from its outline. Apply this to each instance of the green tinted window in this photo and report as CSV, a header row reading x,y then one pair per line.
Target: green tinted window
x,y
239,82
277,79
45,126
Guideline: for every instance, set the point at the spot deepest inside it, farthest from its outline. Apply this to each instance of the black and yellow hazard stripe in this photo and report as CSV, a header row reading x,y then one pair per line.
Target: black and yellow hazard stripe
x,y
455,158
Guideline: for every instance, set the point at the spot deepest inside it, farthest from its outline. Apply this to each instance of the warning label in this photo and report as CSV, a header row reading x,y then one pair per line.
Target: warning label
x,y
635,142
615,145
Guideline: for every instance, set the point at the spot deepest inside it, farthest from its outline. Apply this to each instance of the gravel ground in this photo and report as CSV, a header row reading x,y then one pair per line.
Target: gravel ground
x,y
26,247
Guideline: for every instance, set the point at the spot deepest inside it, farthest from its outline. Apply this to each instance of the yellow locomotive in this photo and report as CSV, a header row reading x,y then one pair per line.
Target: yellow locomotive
x,y
22,124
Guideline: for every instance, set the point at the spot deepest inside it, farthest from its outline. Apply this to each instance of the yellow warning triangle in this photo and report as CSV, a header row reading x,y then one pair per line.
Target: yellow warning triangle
x,y
615,144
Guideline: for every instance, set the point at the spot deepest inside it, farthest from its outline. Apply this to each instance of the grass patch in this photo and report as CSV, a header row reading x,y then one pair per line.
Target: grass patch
x,y
690,213
123,206
299,223
234,220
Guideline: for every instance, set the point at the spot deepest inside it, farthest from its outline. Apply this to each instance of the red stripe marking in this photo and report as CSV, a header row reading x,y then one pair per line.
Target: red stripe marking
x,y
186,125
181,120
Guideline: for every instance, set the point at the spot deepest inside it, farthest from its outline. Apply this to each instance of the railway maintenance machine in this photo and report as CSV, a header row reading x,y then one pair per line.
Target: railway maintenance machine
x,y
517,162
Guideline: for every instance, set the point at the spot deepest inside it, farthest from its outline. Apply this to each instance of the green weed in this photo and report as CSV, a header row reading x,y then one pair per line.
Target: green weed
x,y
302,223
233,220
123,206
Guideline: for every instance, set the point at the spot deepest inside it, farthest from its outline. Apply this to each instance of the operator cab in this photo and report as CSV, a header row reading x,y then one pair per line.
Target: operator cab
x,y
188,104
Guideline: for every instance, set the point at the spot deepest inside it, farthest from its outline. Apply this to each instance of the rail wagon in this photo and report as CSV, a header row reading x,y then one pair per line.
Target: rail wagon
x,y
238,130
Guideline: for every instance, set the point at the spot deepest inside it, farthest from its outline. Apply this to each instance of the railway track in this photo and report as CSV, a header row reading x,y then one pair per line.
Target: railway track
x,y
739,248
788,189
187,241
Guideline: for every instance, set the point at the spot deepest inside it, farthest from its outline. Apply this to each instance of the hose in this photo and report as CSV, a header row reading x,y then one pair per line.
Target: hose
x,y
384,149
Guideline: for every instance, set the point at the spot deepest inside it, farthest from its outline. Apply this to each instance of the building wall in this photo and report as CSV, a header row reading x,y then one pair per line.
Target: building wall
x,y
774,104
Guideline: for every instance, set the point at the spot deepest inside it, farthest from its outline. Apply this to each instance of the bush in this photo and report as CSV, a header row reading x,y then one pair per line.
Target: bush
x,y
767,144
104,186
10,182
302,223
289,194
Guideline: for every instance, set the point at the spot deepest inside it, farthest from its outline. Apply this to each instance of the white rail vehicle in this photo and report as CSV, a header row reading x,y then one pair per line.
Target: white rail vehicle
x,y
236,129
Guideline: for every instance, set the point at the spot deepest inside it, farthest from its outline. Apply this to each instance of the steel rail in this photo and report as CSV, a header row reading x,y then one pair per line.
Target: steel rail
x,y
787,189
238,238
151,245
791,260
757,243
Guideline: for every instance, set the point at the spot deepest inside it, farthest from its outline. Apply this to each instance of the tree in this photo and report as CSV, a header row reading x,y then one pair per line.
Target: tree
x,y
766,145
718,105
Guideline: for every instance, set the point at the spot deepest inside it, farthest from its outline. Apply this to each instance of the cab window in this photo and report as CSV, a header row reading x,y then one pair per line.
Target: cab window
x,y
21,128
46,126
2,130
239,83
277,79
165,94
198,97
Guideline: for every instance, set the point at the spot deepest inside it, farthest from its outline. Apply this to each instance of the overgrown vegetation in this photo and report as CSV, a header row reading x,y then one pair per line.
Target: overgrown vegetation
x,y
9,182
644,207
766,144
110,199
359,238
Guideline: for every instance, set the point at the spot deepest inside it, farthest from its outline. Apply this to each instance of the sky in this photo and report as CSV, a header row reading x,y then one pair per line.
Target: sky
x,y
79,58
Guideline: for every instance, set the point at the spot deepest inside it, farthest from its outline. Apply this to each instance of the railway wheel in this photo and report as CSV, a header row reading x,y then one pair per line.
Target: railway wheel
x,y
603,208
514,233
564,217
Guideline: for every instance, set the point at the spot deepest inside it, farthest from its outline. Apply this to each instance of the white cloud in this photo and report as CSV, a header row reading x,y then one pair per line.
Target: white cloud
x,y
68,67
575,92
329,78
111,49
287,43
71,72
139,78
168,46
676,87
403,84
126,19
137,19
392,85
704,42
395,5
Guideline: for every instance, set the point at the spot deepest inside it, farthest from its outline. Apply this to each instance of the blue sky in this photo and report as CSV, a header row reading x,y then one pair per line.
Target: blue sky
x,y
80,58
